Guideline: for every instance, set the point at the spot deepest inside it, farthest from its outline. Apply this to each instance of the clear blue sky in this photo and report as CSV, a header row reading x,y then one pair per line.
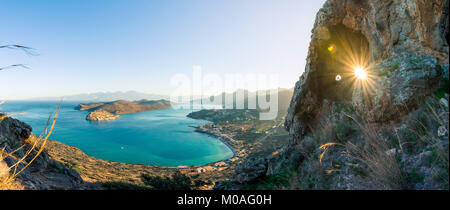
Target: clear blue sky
x,y
89,46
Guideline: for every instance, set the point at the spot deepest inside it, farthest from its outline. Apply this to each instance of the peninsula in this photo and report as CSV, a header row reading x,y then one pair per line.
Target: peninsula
x,y
110,110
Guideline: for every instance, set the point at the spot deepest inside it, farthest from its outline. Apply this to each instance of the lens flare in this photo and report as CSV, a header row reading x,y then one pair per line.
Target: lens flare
x,y
331,48
360,73
352,61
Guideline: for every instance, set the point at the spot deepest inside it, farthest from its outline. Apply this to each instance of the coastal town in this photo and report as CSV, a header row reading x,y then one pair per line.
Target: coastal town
x,y
248,138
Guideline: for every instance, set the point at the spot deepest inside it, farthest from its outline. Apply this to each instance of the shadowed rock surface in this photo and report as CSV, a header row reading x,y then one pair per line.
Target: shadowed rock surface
x,y
44,173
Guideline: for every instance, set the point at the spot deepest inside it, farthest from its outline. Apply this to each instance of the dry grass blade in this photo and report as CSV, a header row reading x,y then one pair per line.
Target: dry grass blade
x,y
332,170
27,50
382,167
14,66
9,115
44,141
41,140
325,148
34,144
321,155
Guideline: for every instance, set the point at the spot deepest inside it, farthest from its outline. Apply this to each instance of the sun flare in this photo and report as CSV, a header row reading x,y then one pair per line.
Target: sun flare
x,y
360,73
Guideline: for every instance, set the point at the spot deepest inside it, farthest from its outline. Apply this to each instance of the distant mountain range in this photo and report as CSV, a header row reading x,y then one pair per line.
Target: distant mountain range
x,y
108,96
284,99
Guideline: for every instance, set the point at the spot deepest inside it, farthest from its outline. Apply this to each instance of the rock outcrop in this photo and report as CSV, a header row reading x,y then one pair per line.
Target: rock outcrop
x,y
43,173
101,115
403,47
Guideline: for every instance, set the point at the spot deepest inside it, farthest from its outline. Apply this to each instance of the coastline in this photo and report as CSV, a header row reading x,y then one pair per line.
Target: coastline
x,y
98,173
94,170
220,136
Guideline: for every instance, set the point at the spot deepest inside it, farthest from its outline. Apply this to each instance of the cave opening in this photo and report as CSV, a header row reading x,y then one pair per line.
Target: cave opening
x,y
342,54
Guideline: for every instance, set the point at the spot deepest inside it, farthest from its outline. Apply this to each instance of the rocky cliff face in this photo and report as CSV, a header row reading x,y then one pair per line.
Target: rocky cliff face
x,y
403,45
404,41
346,131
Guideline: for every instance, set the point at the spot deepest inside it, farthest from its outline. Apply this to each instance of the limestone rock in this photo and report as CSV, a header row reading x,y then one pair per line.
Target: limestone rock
x,y
402,89
404,39
250,171
13,131
403,48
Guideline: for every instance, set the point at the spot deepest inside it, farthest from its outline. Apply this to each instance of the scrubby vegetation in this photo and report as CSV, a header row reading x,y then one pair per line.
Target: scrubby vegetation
x,y
346,152
284,179
225,115
178,181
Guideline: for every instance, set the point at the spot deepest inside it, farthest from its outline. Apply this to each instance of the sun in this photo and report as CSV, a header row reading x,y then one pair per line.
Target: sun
x,y
360,73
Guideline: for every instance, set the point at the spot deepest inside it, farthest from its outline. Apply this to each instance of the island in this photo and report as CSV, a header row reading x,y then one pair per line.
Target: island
x,y
101,111
101,115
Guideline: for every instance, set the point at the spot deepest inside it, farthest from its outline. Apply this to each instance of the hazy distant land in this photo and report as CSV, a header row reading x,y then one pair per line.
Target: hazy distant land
x,y
106,96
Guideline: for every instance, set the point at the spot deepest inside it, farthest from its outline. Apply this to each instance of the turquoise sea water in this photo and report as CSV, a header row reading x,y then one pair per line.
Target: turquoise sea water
x,y
161,137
